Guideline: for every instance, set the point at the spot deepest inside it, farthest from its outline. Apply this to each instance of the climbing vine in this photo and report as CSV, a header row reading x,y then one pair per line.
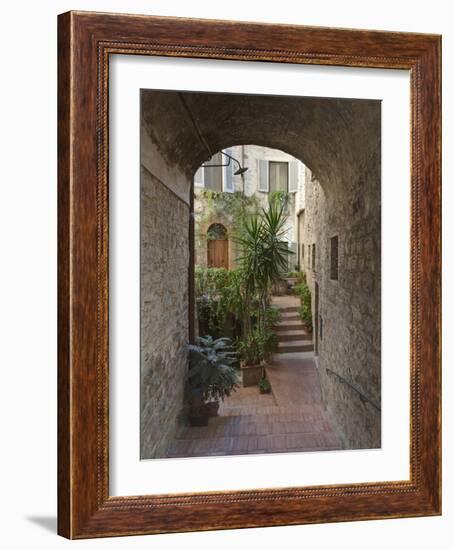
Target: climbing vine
x,y
304,294
232,206
219,296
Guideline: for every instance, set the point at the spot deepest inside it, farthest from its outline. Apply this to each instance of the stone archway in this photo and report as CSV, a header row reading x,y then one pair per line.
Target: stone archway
x,y
339,141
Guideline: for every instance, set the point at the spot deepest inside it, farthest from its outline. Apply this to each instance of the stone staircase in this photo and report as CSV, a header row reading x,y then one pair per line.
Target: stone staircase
x,y
292,334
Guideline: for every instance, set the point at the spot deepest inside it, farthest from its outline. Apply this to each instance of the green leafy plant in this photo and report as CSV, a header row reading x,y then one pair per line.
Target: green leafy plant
x,y
263,257
280,198
251,348
257,346
209,281
272,316
304,294
271,344
219,299
242,296
211,371
264,385
214,204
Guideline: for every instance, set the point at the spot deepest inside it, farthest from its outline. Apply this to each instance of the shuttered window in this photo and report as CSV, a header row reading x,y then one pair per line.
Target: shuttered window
x,y
213,176
198,178
228,184
293,177
263,176
278,176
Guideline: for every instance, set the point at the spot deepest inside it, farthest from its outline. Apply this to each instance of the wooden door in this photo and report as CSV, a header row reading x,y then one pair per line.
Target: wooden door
x,y
218,253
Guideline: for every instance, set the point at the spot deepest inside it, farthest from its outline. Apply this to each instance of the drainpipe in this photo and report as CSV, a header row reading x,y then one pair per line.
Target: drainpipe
x,y
243,164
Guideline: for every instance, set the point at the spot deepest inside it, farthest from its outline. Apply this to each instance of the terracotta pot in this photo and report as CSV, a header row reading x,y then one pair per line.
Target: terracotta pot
x,y
251,374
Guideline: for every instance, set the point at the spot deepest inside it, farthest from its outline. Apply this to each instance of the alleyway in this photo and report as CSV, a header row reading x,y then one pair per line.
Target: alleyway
x,y
290,419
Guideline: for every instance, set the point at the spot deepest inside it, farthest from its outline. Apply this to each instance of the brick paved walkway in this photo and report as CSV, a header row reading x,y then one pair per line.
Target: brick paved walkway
x,y
290,419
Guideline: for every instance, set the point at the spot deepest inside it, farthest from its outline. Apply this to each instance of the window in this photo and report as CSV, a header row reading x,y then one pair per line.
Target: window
x,y
309,256
228,183
216,232
213,176
217,173
334,258
199,178
278,176
303,251
313,256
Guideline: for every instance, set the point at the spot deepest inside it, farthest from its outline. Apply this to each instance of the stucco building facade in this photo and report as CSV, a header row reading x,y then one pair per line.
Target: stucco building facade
x,y
268,171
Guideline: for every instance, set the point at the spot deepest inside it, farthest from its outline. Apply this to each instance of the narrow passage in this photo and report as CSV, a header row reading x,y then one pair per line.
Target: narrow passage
x,y
290,419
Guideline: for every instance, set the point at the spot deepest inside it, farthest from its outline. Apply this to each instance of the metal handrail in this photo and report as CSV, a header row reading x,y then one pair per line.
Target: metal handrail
x,y
363,397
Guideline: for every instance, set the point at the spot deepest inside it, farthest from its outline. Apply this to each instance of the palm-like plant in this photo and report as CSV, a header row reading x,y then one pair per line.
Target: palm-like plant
x,y
250,242
263,256
275,249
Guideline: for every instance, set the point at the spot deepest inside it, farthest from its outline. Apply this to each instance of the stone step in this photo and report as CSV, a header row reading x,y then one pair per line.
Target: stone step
x,y
308,411
290,316
292,442
288,309
295,346
288,335
289,324
290,328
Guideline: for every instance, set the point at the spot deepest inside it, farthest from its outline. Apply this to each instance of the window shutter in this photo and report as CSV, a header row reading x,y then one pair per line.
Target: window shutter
x,y
198,178
228,184
212,176
263,176
293,186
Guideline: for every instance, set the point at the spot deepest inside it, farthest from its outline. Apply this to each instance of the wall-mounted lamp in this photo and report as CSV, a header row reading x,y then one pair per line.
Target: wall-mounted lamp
x,y
241,170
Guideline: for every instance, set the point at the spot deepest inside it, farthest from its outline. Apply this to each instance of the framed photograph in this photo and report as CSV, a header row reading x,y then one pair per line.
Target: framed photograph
x,y
249,275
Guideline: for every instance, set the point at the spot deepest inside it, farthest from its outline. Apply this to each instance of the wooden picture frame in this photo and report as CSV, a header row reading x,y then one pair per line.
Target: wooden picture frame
x,y
85,41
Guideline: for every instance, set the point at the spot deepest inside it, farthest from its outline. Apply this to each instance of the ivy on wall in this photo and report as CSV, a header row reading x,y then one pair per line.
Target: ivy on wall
x,y
213,205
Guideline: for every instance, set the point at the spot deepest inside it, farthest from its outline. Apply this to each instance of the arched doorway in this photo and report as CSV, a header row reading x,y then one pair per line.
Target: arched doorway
x,y
217,239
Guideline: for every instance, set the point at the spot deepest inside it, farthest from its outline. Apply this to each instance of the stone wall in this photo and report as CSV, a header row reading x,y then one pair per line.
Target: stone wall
x,y
164,274
349,308
164,313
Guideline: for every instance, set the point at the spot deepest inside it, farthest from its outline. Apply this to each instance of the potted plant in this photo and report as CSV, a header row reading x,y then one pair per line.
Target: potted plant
x,y
264,385
211,376
251,350
198,415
